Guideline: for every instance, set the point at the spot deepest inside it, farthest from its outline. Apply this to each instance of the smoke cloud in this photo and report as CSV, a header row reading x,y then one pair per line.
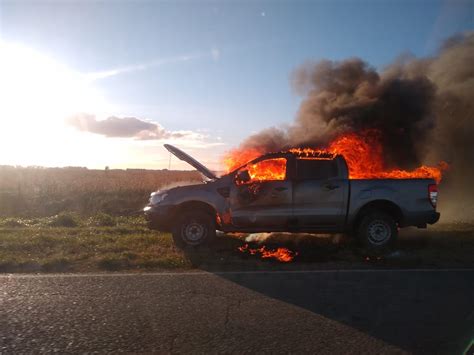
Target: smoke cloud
x,y
123,127
424,109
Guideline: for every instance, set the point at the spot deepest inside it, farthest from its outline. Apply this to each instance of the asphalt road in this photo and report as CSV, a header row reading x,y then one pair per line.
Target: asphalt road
x,y
366,311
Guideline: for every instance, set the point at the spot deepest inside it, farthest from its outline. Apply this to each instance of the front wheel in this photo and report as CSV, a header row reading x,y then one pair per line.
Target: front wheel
x,y
377,230
193,229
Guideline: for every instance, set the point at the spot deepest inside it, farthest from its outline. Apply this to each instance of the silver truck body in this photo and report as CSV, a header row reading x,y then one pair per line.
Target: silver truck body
x,y
332,203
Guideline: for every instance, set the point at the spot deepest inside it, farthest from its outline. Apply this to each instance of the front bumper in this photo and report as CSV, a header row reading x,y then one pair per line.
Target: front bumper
x,y
158,217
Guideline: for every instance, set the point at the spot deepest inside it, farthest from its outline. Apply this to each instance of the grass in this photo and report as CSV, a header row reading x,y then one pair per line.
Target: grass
x,y
106,243
39,245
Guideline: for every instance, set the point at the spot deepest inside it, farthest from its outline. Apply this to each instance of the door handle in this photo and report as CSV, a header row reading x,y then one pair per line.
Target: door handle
x,y
331,186
280,188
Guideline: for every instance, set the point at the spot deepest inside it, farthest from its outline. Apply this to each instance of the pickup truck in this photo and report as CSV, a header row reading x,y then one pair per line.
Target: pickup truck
x,y
311,195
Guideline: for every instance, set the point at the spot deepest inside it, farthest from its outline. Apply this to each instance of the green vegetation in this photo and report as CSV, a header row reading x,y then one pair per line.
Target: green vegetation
x,y
64,220
100,243
55,245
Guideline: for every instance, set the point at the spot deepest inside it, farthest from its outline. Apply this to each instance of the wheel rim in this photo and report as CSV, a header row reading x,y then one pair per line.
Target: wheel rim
x,y
193,232
379,232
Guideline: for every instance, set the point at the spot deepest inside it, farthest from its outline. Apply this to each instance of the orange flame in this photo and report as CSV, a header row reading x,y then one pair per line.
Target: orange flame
x,y
271,169
364,157
363,153
281,254
238,157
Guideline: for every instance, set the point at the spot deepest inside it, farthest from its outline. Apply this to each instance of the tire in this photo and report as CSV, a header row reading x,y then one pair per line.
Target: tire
x,y
377,230
193,229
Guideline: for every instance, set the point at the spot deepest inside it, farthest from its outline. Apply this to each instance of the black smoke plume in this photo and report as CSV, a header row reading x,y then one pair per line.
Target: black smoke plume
x,y
424,109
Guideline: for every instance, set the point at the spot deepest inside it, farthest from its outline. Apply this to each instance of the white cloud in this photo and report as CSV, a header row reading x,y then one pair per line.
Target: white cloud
x,y
127,127
214,54
140,130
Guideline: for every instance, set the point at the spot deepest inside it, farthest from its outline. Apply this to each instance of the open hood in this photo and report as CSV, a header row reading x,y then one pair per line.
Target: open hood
x,y
191,161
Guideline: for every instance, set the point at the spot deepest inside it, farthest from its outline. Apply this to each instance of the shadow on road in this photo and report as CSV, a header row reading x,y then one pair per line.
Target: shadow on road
x,y
425,311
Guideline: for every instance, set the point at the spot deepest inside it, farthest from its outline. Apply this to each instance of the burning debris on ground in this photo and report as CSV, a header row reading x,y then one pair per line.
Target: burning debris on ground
x,y
290,247
281,254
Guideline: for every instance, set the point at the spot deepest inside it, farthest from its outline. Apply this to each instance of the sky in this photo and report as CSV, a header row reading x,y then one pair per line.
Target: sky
x,y
107,83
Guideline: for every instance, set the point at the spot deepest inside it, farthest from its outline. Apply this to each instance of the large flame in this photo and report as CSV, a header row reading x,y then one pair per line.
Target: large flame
x,y
363,153
364,157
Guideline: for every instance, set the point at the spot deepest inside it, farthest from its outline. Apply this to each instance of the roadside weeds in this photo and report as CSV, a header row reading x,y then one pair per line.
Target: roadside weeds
x,y
104,243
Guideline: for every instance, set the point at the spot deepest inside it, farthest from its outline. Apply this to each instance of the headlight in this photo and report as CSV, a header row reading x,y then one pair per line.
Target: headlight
x,y
157,197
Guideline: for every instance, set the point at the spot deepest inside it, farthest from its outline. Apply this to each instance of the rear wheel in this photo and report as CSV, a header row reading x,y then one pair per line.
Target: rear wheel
x,y
377,230
193,229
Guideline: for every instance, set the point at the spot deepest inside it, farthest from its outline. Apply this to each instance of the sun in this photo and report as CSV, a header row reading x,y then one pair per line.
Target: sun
x,y
34,86
37,94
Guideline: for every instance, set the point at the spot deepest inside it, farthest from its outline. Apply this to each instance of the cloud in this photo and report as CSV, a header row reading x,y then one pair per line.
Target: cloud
x,y
214,53
141,66
127,127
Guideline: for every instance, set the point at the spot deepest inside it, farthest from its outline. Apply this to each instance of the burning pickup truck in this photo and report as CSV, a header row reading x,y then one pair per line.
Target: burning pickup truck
x,y
292,191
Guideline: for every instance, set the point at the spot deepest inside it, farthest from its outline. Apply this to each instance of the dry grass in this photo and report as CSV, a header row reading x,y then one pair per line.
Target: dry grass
x,y
38,246
37,191
107,243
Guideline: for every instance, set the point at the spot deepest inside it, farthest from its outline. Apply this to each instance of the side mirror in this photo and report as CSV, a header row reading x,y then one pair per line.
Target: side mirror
x,y
243,176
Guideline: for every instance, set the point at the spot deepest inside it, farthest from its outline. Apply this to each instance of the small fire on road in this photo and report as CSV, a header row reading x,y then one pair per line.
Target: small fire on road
x,y
281,254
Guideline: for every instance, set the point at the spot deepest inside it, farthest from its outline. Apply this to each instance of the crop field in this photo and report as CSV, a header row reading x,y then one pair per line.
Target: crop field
x,y
41,192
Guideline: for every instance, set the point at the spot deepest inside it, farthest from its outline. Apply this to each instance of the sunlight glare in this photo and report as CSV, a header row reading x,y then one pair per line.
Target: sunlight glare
x,y
37,95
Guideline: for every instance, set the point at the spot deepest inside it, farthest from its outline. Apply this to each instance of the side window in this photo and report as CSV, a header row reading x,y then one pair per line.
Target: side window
x,y
265,170
315,169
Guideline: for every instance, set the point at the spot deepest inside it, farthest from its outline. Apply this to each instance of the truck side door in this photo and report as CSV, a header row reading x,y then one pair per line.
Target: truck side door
x,y
319,194
264,201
